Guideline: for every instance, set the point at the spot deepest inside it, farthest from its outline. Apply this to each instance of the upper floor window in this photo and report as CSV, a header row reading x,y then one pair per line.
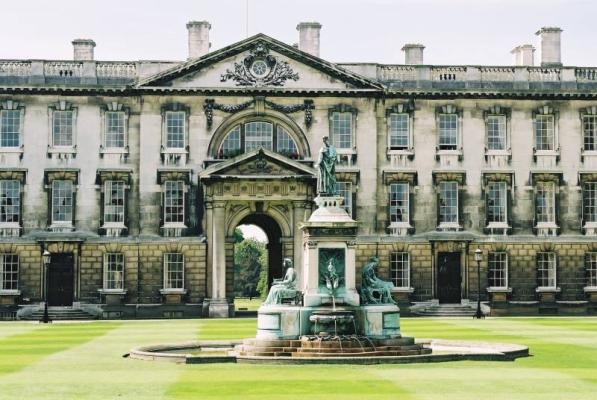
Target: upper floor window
x,y
398,131
399,203
10,201
256,135
448,203
174,202
341,130
448,131
114,201
114,271
590,202
62,128
544,132
496,132
10,127
497,264
62,202
175,122
591,268
545,203
546,270
115,129
344,189
9,272
589,131
173,271
496,202
400,269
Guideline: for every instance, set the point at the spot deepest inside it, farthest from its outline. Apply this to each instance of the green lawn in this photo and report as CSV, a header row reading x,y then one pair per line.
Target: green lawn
x,y
84,361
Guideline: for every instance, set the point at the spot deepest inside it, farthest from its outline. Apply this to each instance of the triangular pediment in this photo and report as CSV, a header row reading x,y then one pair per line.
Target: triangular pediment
x,y
262,164
259,62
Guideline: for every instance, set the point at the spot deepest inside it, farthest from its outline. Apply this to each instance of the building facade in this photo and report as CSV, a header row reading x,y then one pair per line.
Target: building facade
x,y
134,175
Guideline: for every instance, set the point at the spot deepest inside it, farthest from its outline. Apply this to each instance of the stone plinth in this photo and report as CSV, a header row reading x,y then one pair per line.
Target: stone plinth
x,y
379,321
278,322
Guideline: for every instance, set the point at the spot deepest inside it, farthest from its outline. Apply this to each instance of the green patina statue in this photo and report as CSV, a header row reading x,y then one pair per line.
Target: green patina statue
x,y
373,289
284,288
326,182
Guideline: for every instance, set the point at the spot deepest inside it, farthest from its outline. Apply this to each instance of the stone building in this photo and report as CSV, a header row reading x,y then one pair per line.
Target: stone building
x,y
134,175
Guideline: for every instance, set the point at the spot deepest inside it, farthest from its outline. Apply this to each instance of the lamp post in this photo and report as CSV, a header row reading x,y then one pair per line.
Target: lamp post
x,y
478,257
46,258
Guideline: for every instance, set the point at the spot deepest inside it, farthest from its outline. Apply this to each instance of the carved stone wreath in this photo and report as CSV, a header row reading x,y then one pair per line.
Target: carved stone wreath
x,y
260,69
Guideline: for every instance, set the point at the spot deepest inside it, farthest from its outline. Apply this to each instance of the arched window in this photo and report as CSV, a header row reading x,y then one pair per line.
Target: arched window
x,y
254,135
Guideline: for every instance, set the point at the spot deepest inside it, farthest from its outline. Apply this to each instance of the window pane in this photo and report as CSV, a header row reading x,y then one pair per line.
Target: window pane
x,y
10,127
344,189
591,266
62,128
9,272
174,271
175,129
496,132
174,202
285,143
62,201
448,131
114,271
10,201
546,269
589,128
115,129
258,135
498,269
114,201
400,269
545,202
496,202
341,130
231,145
590,201
448,202
398,131
399,208
544,132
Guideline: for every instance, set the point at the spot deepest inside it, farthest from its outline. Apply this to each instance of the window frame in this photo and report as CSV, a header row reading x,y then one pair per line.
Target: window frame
x,y
12,107
107,270
540,187
456,131
13,274
593,116
240,129
405,269
18,205
587,221
65,222
448,224
106,111
492,270
183,190
550,277
107,186
167,281
405,221
506,141
591,268
409,145
504,207
347,204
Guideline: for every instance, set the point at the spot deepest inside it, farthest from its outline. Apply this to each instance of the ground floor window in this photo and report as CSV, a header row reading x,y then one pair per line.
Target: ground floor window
x,y
9,272
114,271
173,271
546,270
400,269
591,266
498,269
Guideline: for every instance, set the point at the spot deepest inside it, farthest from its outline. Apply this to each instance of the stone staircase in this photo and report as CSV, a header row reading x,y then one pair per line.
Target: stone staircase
x,y
60,314
444,310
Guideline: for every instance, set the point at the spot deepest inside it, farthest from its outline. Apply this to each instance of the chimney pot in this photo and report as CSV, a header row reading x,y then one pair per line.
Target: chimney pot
x,y
413,53
550,47
524,55
309,37
83,49
198,38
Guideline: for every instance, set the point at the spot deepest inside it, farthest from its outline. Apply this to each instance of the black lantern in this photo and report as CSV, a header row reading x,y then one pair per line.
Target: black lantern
x,y
478,258
46,259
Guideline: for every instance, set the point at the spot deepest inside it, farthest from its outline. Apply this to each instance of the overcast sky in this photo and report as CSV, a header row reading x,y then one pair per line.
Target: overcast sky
x,y
454,31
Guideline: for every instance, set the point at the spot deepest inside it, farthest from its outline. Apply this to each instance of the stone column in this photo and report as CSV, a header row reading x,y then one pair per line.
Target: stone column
x,y
218,306
210,250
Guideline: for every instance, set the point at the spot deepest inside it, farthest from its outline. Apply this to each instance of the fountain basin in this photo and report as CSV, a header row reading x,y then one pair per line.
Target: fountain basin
x,y
333,322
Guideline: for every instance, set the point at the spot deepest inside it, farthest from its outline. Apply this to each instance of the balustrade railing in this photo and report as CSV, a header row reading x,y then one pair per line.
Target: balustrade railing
x,y
540,74
448,73
497,74
116,70
15,68
63,69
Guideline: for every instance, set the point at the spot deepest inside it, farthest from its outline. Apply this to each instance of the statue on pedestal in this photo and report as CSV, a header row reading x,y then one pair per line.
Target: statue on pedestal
x,y
283,288
373,289
326,182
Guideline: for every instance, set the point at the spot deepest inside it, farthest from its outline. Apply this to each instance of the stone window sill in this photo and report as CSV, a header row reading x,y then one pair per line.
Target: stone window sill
x,y
114,150
403,290
449,226
495,289
14,292
590,289
17,150
121,292
173,291
544,289
61,227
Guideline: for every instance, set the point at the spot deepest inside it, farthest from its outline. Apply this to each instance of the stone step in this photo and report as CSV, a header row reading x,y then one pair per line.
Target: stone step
x,y
61,314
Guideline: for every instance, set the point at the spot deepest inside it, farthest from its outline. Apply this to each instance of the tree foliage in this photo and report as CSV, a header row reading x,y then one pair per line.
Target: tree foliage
x,y
250,268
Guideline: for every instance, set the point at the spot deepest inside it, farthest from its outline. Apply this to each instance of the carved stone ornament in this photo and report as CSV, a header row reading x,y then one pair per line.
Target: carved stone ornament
x,y
260,68
211,105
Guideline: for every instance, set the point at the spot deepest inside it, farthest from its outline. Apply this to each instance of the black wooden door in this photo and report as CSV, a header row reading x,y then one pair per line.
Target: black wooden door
x,y
60,280
448,277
